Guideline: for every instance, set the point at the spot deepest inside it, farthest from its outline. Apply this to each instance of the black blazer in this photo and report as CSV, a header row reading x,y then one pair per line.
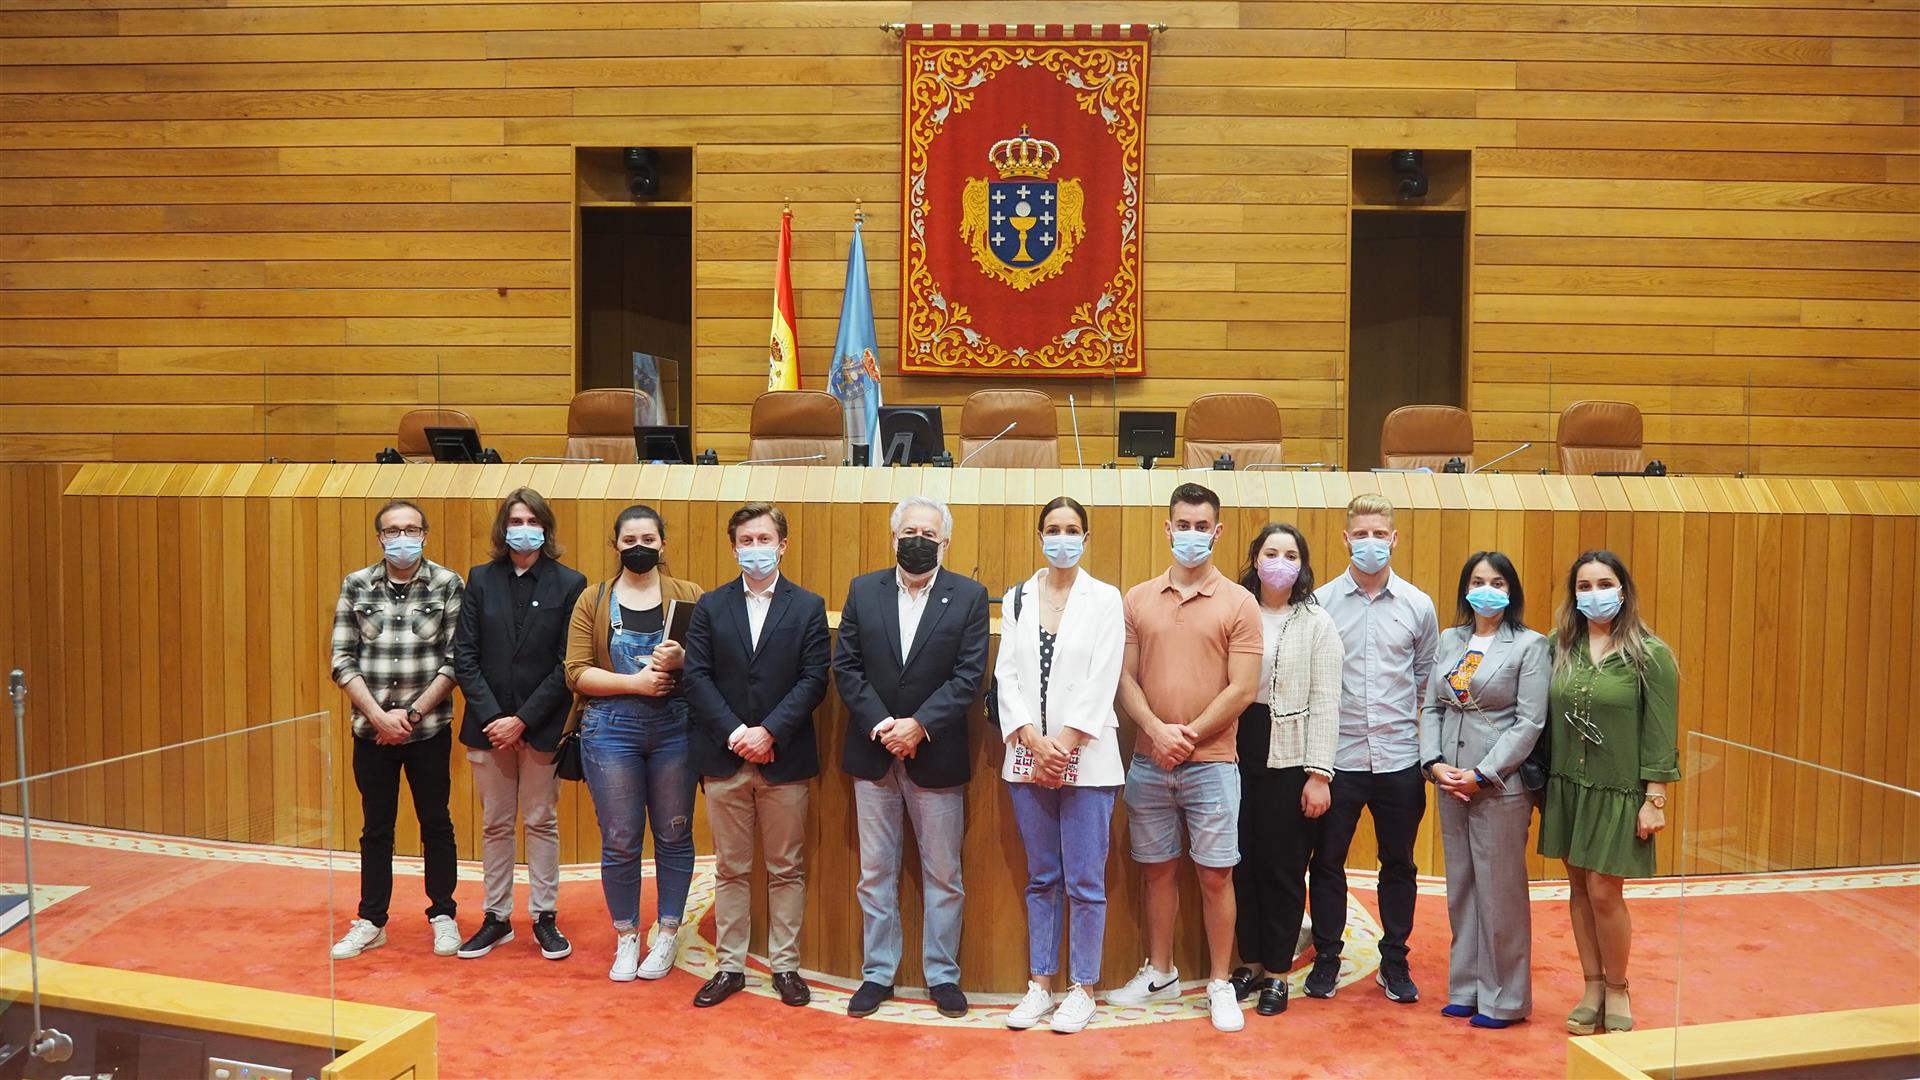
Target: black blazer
x,y
727,682
496,666
935,683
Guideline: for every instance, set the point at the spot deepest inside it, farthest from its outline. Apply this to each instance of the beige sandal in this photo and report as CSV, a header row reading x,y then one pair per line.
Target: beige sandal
x,y
1617,1021
1584,1020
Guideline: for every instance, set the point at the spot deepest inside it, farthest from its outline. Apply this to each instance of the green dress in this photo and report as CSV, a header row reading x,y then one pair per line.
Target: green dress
x,y
1595,790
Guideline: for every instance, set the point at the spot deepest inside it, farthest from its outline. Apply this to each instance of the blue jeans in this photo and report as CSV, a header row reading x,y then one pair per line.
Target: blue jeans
x,y
1065,831
637,768
939,825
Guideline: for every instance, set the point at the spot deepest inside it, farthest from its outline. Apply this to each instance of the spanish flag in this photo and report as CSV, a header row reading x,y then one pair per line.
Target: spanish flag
x,y
783,361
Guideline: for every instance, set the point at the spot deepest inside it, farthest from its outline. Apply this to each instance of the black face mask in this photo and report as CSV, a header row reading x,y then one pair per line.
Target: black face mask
x,y
640,558
917,554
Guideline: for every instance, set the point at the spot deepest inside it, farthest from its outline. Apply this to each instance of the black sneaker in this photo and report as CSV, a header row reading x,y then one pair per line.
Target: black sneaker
x,y
553,944
948,999
1324,979
1398,984
492,932
867,1000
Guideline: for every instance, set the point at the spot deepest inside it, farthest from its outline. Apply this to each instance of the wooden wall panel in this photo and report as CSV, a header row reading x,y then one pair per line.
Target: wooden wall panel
x,y
1708,209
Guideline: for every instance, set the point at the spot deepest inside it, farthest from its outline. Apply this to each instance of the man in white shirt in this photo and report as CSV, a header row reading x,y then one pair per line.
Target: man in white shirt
x,y
1390,631
756,667
910,661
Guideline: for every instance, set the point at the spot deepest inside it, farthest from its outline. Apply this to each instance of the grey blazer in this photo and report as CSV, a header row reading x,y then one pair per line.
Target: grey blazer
x,y
1496,729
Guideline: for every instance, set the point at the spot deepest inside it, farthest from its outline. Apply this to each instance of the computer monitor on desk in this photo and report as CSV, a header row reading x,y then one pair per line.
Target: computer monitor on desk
x,y
911,434
1146,435
461,444
670,443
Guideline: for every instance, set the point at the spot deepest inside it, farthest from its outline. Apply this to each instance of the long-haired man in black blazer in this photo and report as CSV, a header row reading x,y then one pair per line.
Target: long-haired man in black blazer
x,y
506,654
912,652
756,669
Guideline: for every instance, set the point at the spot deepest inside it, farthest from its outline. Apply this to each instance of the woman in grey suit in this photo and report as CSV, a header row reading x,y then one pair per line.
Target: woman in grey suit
x,y
1485,709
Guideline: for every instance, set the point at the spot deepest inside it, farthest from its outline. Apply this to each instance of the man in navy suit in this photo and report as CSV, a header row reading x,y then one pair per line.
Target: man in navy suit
x,y
756,668
912,652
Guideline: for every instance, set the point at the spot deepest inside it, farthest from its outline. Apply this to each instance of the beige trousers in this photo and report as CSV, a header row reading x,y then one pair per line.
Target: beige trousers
x,y
518,784
738,807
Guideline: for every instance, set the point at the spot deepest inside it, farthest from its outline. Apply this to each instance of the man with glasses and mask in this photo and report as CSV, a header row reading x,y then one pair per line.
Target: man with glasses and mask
x,y
393,633
911,656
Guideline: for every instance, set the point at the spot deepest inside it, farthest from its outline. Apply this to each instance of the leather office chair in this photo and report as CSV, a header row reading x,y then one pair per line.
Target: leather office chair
x,y
1033,444
600,425
1426,436
1245,426
412,438
1601,436
796,424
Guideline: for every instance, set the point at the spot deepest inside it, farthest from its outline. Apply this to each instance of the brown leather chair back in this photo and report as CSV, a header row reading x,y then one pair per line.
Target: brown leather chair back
x,y
412,438
1426,436
1601,436
796,424
1033,444
600,425
1247,426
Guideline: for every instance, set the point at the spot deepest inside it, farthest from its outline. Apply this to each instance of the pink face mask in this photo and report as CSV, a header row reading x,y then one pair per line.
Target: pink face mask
x,y
1278,573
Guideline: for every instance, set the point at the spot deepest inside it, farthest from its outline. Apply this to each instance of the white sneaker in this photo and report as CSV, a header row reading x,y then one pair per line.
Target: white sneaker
x,y
666,948
626,957
1032,1008
1147,985
1074,1012
361,936
1224,1006
446,935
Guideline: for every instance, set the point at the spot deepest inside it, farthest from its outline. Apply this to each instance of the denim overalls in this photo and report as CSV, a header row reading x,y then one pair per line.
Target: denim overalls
x,y
634,753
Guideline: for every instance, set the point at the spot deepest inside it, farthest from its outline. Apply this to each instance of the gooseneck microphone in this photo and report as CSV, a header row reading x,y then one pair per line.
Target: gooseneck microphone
x,y
989,442
1074,411
783,460
1502,457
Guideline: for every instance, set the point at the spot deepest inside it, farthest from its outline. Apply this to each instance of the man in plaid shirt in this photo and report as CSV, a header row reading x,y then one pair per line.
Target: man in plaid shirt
x,y
393,655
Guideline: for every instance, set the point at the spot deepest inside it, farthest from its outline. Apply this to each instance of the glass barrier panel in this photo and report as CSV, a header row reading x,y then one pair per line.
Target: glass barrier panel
x,y
182,909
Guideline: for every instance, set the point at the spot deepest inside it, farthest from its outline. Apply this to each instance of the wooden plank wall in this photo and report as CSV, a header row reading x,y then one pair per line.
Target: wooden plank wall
x,y
235,229
1791,605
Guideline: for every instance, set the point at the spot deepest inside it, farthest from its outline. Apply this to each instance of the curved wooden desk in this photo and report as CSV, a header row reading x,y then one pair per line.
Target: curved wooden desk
x,y
1790,602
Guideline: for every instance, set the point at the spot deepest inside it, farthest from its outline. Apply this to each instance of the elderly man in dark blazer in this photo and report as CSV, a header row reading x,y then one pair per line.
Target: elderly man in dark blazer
x,y
911,656
756,668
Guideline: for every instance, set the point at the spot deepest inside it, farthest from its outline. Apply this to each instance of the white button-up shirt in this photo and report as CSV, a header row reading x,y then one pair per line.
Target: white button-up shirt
x,y
758,604
911,608
1390,641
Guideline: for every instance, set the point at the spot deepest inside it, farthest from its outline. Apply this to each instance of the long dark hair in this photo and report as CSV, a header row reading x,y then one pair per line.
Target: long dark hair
x,y
1250,573
1515,615
542,513
640,512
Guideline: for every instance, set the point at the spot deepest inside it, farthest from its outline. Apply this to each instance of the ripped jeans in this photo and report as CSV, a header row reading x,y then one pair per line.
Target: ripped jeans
x,y
638,773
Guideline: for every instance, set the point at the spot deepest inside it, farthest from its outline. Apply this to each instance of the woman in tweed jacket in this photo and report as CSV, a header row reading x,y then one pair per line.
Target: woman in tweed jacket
x,y
1286,745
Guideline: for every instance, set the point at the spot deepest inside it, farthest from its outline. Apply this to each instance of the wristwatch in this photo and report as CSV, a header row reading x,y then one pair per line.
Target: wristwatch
x,y
1659,801
413,716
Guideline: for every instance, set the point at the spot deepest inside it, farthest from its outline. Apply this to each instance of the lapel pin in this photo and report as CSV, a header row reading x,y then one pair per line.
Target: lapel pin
x,y
943,599
536,603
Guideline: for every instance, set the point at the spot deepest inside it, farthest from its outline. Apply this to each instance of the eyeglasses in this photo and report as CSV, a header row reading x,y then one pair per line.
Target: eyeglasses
x,y
411,532
1585,728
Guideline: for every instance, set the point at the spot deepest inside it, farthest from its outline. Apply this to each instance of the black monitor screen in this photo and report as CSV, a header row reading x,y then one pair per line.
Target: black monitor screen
x,y
671,443
1146,434
454,443
910,434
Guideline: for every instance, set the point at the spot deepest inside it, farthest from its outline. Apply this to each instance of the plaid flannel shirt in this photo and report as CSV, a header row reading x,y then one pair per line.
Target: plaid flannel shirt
x,y
398,647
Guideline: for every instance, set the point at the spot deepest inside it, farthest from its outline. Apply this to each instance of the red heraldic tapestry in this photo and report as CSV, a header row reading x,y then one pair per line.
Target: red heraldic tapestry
x,y
1022,199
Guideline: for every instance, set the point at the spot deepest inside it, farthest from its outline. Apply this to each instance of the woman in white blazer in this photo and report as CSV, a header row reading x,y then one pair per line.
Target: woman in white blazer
x,y
1485,708
1062,634
1286,743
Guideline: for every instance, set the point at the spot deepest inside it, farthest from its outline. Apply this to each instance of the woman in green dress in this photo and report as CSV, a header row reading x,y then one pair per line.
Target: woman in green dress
x,y
1612,713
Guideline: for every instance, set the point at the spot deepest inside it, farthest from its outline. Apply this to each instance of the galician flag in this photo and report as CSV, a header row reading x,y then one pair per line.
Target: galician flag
x,y
855,376
783,359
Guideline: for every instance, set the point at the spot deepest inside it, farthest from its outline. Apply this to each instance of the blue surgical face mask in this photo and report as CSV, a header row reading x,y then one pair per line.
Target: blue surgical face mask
x,y
525,538
1487,601
403,550
1063,550
758,562
1601,604
1370,555
1191,547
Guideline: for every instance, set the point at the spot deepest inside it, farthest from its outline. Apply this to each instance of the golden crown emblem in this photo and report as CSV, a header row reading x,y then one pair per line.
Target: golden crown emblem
x,y
1024,155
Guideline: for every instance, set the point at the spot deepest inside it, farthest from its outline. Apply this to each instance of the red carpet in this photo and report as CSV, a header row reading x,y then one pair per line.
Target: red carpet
x,y
216,913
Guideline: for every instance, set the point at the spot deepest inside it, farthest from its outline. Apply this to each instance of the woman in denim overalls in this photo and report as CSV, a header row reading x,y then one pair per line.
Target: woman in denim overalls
x,y
634,739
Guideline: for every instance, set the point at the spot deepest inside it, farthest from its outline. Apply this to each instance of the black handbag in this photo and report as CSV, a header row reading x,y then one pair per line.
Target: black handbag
x,y
566,754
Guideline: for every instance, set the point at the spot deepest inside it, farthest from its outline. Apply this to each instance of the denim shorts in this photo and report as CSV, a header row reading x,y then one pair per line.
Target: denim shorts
x,y
1205,794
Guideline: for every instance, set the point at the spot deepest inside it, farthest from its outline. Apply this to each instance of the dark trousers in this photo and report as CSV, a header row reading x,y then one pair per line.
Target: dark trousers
x,y
1276,843
1398,801
376,771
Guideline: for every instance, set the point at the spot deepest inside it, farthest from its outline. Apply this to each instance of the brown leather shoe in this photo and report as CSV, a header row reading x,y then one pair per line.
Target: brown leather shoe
x,y
722,986
793,988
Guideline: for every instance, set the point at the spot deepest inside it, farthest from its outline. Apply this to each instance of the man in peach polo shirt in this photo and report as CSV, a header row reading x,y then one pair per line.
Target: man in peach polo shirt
x,y
1192,664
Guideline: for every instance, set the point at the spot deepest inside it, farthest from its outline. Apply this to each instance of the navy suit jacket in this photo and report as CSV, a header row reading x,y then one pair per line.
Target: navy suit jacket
x,y
729,682
936,682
